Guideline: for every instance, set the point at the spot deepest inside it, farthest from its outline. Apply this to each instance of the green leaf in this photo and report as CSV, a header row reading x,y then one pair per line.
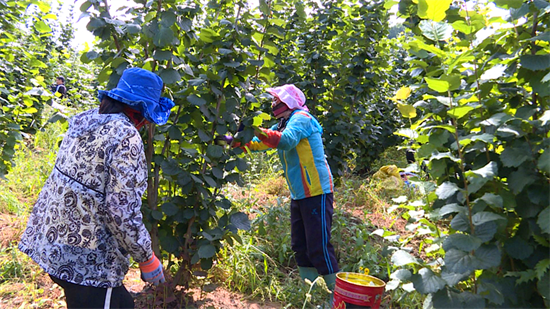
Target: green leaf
x,y
460,223
520,179
452,279
475,182
157,215
492,199
436,31
174,132
542,267
264,8
205,137
232,64
535,62
491,291
85,6
516,155
463,26
95,23
217,172
240,220
401,258
211,182
225,51
419,45
438,84
169,209
214,151
162,55
206,251
509,3
543,286
196,81
170,76
544,161
496,119
207,35
242,165
486,231
224,203
518,248
195,100
459,112
485,216
169,243
133,28
206,264
451,208
407,111
462,242
487,256
433,9
458,261
168,18
543,37
544,220
443,155
163,37
484,137
488,171
446,190
427,282
42,27
401,274
448,299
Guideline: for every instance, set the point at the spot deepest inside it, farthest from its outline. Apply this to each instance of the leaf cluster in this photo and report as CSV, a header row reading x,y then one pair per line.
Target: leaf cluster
x,y
482,91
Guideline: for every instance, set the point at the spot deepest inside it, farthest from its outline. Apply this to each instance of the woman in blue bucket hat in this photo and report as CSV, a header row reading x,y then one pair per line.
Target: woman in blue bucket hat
x,y
87,222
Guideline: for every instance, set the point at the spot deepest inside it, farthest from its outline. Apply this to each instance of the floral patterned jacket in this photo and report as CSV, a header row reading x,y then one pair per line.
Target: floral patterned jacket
x,y
87,219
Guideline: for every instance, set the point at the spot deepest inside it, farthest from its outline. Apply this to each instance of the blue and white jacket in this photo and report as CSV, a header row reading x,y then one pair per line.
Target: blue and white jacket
x,y
300,149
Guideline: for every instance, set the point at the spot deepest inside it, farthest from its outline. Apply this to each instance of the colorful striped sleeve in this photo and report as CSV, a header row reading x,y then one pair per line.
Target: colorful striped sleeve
x,y
299,127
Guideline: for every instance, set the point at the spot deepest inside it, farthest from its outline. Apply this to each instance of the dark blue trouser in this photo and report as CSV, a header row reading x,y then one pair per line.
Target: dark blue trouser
x,y
80,296
311,221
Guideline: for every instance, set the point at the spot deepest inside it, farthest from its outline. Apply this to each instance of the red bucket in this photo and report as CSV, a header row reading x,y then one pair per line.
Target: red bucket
x,y
354,290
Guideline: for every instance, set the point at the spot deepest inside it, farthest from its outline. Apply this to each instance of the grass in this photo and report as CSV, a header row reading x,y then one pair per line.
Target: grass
x,y
34,161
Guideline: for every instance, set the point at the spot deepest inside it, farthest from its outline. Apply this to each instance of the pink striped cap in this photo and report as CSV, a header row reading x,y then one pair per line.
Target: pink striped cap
x,y
289,94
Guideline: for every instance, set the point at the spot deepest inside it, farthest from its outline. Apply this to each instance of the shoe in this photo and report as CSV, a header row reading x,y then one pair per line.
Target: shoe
x,y
330,280
309,273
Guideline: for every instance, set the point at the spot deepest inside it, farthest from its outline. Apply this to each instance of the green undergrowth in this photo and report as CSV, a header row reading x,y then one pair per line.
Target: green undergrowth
x,y
34,161
20,278
262,265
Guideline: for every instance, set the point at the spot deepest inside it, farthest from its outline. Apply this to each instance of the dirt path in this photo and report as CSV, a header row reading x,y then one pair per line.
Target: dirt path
x,y
218,298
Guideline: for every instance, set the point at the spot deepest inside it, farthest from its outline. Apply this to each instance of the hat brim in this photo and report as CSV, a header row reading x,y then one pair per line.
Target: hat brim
x,y
147,107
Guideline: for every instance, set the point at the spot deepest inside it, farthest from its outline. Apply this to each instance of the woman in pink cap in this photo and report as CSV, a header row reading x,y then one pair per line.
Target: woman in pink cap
x,y
297,137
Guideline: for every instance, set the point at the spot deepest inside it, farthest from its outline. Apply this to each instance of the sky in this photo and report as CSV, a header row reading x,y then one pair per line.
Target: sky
x,y
82,35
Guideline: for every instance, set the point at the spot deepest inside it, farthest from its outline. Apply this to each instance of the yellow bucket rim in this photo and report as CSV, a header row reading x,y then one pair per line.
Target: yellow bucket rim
x,y
360,279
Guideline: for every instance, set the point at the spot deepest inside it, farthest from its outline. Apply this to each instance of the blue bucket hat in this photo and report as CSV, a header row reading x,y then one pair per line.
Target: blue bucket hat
x,y
141,90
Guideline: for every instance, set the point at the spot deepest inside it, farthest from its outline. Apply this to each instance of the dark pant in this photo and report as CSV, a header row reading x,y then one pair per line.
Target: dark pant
x,y
311,221
80,296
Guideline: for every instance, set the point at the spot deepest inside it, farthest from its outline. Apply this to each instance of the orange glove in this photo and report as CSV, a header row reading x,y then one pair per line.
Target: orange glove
x,y
151,271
